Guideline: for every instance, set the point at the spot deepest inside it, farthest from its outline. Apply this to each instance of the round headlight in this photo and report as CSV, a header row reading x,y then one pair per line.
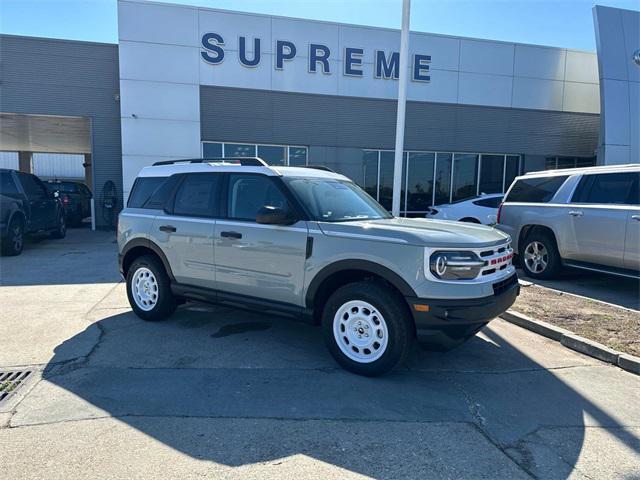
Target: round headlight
x,y
455,265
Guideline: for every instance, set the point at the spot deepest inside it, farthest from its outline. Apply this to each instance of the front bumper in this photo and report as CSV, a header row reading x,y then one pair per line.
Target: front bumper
x,y
465,314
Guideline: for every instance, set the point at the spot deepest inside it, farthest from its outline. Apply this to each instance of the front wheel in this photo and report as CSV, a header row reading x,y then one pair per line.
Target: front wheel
x,y
540,257
149,289
367,328
61,227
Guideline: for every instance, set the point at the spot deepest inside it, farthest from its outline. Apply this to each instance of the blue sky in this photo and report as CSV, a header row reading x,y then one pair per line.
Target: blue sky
x,y
562,23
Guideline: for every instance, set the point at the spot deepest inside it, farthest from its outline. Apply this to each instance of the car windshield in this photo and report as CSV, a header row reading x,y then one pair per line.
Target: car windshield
x,y
331,200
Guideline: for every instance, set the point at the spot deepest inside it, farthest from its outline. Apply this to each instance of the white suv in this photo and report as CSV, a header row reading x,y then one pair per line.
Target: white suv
x,y
585,218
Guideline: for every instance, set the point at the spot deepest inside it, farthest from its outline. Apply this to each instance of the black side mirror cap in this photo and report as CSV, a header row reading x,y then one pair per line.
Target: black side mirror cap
x,y
269,215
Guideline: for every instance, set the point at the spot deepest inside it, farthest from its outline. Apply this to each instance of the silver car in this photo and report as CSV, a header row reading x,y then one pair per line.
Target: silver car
x,y
310,244
585,218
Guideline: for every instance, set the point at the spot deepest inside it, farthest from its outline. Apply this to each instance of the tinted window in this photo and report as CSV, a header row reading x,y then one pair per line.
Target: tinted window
x,y
211,150
297,156
32,186
491,172
7,185
160,196
607,188
489,202
535,190
249,193
271,154
63,187
142,190
197,196
443,178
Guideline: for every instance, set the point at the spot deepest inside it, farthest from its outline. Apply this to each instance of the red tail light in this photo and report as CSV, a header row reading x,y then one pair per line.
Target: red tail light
x,y
499,212
65,199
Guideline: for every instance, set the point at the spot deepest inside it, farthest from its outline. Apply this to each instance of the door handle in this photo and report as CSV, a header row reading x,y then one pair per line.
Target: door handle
x,y
167,228
235,235
575,213
636,217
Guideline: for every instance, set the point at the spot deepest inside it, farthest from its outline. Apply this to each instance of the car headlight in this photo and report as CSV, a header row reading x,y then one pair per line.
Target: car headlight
x,y
455,265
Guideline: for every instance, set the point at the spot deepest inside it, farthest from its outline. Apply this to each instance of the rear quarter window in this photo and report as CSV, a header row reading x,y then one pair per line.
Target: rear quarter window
x,y
535,190
142,190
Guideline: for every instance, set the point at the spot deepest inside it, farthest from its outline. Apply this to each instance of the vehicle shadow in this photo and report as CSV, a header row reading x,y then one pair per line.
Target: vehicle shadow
x,y
240,388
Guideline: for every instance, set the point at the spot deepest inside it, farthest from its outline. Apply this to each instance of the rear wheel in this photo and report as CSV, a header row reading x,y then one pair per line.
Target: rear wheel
x,y
14,242
367,329
540,257
149,289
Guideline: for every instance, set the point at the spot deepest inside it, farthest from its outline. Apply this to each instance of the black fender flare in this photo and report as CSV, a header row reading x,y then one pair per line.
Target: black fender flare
x,y
363,265
148,244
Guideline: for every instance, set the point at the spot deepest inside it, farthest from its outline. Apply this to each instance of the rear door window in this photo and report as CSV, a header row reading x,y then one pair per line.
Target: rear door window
x,y
197,195
535,190
249,193
142,190
607,189
8,185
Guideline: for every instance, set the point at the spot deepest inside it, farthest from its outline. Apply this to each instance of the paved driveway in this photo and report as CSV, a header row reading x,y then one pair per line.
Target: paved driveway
x,y
218,393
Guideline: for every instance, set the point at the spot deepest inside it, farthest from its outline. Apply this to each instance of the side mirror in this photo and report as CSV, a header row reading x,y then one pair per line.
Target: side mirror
x,y
269,215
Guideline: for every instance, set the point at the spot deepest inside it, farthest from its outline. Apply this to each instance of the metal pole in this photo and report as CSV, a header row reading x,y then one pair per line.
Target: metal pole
x,y
402,100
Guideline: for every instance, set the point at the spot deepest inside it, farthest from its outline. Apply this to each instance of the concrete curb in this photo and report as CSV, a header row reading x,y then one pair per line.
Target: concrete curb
x,y
575,342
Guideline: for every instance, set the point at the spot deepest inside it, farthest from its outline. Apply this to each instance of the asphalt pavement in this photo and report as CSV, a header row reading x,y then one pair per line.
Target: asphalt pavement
x,y
219,393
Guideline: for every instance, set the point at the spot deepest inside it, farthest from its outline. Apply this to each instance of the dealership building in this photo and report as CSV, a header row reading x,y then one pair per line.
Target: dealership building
x,y
187,82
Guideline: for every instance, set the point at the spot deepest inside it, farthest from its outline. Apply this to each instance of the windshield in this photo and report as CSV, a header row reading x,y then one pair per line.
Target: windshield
x,y
330,200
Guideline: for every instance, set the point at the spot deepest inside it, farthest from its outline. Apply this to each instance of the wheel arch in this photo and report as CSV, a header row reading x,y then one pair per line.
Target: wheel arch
x,y
142,246
340,273
527,230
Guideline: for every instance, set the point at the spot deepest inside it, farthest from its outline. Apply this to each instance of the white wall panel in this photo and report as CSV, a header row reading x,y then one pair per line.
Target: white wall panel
x,y
480,89
444,51
237,75
131,166
232,26
616,128
359,37
142,136
359,86
486,57
581,97
443,88
159,63
537,93
295,78
58,165
610,42
539,62
302,33
581,67
145,22
159,100
9,160
631,28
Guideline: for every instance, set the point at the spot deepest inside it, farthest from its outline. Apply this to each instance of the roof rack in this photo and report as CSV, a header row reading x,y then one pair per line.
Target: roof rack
x,y
319,167
243,161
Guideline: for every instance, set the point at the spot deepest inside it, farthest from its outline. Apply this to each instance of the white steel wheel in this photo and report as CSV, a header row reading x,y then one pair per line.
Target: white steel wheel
x,y
360,331
536,257
144,289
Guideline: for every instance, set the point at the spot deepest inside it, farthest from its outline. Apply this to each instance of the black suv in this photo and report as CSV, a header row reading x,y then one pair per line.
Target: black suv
x,y
75,198
27,206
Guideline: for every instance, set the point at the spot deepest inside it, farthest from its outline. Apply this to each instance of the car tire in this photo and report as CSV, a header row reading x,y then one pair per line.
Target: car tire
x,y
453,337
13,243
149,289
61,227
367,328
539,257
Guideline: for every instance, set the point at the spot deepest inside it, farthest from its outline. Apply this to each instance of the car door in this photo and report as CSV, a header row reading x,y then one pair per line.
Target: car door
x,y
597,218
264,261
42,205
632,239
184,231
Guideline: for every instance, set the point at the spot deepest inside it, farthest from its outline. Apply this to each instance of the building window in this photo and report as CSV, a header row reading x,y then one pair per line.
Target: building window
x,y
272,154
465,176
554,163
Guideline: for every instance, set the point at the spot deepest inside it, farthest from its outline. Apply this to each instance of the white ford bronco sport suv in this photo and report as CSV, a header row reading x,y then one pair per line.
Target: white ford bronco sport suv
x,y
308,243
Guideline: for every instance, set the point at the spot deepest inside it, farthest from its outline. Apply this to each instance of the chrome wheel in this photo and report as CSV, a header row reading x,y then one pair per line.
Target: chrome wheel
x,y
360,331
144,289
536,257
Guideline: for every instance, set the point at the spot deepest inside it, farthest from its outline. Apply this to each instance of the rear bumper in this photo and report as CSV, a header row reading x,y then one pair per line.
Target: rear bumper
x,y
443,315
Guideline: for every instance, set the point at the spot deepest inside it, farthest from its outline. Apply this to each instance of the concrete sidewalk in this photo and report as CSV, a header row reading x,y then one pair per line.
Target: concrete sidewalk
x,y
218,393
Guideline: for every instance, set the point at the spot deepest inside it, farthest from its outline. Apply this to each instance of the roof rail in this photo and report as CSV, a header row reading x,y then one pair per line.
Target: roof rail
x,y
243,161
319,167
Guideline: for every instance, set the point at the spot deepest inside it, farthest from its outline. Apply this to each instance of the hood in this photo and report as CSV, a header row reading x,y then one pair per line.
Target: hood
x,y
418,231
